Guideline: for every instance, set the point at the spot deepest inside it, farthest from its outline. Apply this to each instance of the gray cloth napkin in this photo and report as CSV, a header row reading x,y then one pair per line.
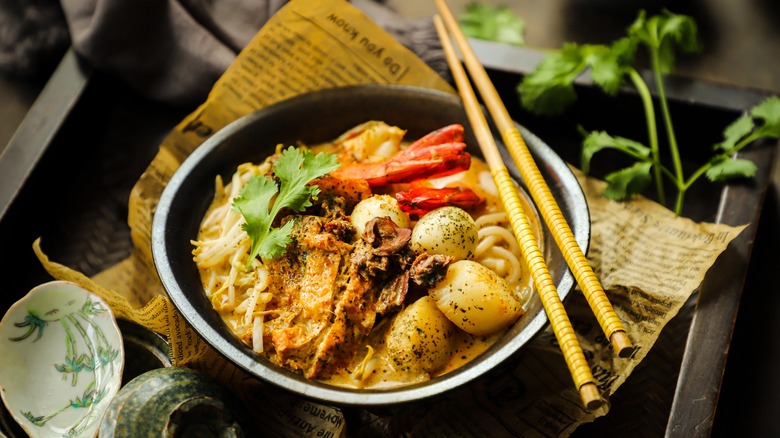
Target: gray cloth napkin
x,y
174,50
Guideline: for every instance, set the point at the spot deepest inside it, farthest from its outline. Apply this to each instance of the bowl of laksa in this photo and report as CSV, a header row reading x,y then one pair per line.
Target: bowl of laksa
x,y
350,246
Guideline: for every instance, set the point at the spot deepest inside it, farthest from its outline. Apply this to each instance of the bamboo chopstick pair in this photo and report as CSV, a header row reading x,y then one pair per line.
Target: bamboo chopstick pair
x,y
564,238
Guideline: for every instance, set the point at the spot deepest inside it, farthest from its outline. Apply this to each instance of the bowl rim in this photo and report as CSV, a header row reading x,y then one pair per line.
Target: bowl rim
x,y
314,389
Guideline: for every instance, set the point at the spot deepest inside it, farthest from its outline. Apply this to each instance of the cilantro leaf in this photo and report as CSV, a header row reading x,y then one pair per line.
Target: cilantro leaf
x,y
769,112
681,29
626,182
599,140
662,33
609,65
275,242
549,89
727,168
253,203
493,23
606,71
294,169
743,130
735,132
739,134
624,50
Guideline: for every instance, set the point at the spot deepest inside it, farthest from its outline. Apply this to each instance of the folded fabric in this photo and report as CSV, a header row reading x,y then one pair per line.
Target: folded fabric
x,y
174,50
33,38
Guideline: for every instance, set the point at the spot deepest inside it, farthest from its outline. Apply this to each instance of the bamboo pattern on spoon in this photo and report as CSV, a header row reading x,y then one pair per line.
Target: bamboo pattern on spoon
x,y
98,355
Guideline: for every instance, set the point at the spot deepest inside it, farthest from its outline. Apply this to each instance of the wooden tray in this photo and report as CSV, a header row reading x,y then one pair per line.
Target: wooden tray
x,y
67,173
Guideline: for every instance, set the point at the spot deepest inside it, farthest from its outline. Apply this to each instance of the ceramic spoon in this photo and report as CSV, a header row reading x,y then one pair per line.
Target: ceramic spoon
x,y
61,360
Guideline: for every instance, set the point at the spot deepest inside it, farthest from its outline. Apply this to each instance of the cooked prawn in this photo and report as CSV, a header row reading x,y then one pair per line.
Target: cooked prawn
x,y
440,153
420,200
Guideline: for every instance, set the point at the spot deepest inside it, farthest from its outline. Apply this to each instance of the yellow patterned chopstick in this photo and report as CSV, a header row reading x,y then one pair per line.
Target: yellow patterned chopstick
x,y
540,192
559,320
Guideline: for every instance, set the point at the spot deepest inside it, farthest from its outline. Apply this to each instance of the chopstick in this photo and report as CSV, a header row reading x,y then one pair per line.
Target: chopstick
x,y
591,287
559,320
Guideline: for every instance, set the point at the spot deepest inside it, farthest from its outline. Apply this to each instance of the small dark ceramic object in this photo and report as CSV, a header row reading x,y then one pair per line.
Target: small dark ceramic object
x,y
175,402
318,117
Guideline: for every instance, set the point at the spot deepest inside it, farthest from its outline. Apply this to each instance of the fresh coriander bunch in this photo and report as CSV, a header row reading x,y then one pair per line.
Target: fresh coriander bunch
x,y
549,90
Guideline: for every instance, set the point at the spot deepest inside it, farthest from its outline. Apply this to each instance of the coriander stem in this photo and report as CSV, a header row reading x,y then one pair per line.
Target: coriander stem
x,y
699,172
704,168
743,143
679,180
652,130
679,202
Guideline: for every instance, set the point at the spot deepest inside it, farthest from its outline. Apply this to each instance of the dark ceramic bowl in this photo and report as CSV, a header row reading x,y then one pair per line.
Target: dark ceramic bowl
x,y
313,118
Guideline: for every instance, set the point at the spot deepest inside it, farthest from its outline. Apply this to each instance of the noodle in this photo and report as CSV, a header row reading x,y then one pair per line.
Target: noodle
x,y
222,248
257,334
498,248
505,234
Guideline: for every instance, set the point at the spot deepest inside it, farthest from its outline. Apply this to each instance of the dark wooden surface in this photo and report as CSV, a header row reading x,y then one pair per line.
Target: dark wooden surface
x,y
41,123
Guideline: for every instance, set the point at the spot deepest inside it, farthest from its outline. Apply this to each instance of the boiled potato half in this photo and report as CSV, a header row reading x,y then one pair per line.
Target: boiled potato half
x,y
447,230
378,206
421,337
476,299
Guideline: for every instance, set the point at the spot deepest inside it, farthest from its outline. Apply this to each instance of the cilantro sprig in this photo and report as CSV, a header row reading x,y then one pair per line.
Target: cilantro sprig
x,y
549,90
261,199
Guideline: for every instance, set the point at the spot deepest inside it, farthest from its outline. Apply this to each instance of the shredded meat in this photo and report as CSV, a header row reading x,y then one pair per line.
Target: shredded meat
x,y
383,251
320,319
328,291
429,269
385,236
393,294
338,222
